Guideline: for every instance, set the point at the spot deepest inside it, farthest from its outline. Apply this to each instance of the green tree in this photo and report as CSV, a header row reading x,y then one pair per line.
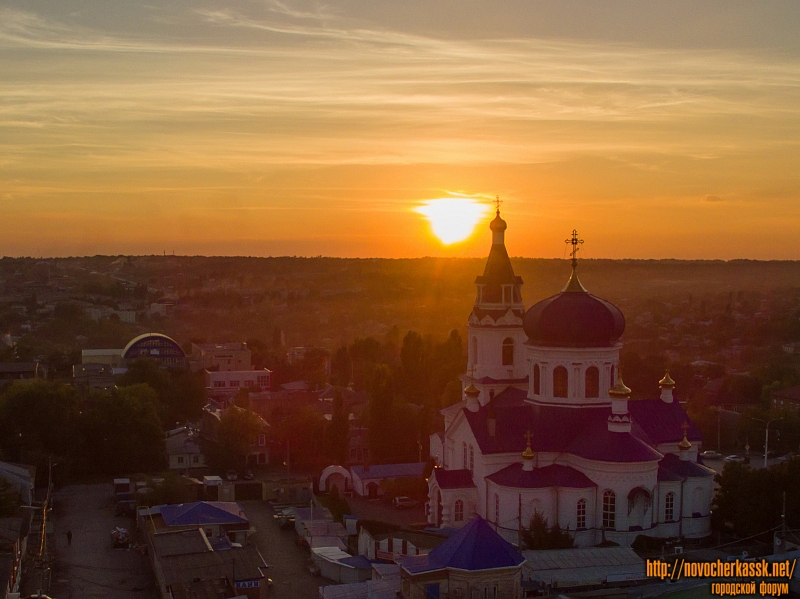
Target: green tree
x,y
120,432
539,535
381,404
237,431
337,432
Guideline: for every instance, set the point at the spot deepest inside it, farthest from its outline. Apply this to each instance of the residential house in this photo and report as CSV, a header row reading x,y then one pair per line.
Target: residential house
x,y
13,545
380,541
20,371
183,449
218,519
187,563
21,477
93,377
786,399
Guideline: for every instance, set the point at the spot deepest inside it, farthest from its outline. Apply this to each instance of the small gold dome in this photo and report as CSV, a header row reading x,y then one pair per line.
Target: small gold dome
x,y
666,382
619,390
685,444
472,389
528,454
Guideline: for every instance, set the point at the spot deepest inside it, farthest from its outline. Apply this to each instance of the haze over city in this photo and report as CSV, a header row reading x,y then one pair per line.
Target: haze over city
x,y
303,128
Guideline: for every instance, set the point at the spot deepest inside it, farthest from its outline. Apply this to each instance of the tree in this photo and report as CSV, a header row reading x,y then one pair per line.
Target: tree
x,y
341,367
120,432
337,432
539,535
237,431
381,403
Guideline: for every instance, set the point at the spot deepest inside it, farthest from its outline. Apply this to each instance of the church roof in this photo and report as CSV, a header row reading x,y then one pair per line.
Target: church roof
x,y
582,431
683,468
476,546
498,270
454,479
574,319
554,475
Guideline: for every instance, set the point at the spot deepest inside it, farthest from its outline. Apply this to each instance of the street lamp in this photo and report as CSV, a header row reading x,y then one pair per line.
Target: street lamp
x,y
766,436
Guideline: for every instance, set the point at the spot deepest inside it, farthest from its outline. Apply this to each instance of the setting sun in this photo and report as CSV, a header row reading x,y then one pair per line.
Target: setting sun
x,y
453,219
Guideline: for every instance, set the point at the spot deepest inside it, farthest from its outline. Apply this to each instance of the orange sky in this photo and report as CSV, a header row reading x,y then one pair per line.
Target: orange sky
x,y
300,128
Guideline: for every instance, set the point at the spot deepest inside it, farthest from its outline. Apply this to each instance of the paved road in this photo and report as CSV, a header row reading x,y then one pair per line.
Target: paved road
x,y
288,563
91,568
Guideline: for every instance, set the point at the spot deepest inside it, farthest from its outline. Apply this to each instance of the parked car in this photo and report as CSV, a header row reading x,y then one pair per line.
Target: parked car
x,y
232,475
735,458
711,455
248,474
403,502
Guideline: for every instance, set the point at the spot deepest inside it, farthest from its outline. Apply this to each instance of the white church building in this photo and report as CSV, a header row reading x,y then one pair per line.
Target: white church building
x,y
546,424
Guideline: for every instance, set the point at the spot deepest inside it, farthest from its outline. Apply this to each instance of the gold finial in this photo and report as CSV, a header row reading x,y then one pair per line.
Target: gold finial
x,y
619,390
574,284
497,202
666,382
471,371
685,444
528,453
472,389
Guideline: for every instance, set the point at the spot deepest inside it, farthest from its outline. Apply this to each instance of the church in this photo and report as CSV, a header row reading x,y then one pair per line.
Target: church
x,y
546,424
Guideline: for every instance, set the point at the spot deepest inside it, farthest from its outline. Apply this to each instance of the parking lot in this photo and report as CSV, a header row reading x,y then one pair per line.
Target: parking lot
x,y
91,568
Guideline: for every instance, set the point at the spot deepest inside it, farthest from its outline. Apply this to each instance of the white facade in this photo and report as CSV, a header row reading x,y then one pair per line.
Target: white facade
x,y
605,479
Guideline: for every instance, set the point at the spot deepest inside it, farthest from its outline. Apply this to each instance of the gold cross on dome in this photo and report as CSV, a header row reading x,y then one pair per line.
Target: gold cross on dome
x,y
528,436
471,371
574,242
497,202
685,428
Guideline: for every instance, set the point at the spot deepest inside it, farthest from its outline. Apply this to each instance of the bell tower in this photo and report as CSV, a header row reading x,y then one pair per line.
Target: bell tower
x,y
495,325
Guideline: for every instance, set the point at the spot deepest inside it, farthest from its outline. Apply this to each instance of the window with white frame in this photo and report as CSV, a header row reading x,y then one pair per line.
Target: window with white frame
x,y
669,507
609,509
581,514
458,512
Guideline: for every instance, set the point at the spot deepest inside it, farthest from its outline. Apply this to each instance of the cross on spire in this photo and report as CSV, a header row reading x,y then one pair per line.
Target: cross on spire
x,y
471,371
528,436
685,428
574,242
497,202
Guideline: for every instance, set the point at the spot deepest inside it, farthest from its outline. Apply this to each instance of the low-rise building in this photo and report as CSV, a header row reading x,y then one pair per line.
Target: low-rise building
x,y
112,357
474,562
220,357
224,384
183,449
13,544
22,479
188,562
786,399
369,481
217,519
20,371
93,377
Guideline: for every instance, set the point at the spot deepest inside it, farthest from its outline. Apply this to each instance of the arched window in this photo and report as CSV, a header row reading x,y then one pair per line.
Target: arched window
x,y
609,509
592,382
508,352
458,512
537,379
465,462
581,514
560,382
471,460
669,507
496,508
613,377
474,350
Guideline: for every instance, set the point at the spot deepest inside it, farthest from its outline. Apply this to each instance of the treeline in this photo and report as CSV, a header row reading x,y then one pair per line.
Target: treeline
x,y
407,385
100,433
750,501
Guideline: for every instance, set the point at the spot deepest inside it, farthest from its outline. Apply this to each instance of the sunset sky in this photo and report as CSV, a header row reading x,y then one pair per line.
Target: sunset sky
x,y
657,129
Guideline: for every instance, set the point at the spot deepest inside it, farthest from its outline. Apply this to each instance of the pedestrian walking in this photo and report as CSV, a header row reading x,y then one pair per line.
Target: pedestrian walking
x,y
69,538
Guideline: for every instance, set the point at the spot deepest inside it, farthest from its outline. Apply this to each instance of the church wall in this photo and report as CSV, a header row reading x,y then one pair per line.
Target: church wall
x,y
576,361
490,351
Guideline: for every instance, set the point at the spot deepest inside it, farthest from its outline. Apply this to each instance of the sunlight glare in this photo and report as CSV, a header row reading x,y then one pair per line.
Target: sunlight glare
x,y
452,219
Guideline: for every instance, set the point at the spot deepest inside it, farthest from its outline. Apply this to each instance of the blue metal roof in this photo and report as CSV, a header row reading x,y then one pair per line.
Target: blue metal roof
x,y
202,512
413,470
475,547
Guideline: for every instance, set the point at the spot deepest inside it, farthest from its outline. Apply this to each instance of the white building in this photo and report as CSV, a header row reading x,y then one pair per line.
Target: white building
x,y
229,382
545,424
